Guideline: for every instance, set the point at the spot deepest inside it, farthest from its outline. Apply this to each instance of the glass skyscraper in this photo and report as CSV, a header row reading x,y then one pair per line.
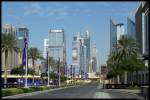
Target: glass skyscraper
x,y
130,28
57,44
116,30
22,33
113,34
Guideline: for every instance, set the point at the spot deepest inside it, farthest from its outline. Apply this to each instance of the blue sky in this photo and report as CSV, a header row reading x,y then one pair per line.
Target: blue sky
x,y
74,17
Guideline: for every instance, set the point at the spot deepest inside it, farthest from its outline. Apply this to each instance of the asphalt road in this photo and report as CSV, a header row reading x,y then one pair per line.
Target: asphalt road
x,y
91,90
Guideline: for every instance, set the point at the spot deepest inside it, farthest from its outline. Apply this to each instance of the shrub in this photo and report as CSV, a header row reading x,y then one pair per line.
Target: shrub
x,y
11,91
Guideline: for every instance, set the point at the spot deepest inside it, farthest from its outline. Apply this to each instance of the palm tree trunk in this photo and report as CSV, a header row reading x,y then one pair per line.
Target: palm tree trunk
x,y
34,70
5,68
118,79
125,77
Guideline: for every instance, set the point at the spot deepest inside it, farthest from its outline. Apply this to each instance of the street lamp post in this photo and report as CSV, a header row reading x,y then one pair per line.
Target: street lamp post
x,y
48,69
59,70
26,80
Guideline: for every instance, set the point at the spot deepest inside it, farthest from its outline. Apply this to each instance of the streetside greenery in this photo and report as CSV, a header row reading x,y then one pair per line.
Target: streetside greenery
x,y
9,44
15,91
123,57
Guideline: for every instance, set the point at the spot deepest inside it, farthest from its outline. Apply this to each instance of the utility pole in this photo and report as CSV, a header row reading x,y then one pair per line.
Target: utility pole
x,y
59,70
26,47
48,69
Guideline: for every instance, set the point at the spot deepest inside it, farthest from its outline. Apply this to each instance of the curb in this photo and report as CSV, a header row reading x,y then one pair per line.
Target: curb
x,y
36,92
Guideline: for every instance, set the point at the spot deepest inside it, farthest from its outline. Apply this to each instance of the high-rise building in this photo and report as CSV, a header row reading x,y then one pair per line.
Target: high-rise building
x,y
57,44
81,53
130,28
113,34
76,53
145,27
12,60
87,44
116,30
138,27
95,60
120,30
46,44
22,33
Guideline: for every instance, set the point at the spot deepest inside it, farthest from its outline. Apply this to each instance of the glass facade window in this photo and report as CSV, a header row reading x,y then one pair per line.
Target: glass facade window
x,y
57,44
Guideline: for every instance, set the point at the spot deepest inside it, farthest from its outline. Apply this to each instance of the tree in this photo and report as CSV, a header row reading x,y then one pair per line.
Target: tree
x,y
124,57
9,44
34,54
18,71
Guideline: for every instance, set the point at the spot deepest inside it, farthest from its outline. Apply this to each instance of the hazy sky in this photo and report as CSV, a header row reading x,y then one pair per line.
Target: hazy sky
x,y
73,17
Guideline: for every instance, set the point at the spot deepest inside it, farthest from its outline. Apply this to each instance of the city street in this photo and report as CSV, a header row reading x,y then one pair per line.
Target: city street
x,y
91,90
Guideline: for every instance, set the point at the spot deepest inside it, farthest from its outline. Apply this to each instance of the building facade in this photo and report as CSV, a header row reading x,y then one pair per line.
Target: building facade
x,y
95,60
81,53
113,34
76,53
138,27
57,44
46,44
116,30
23,32
12,60
130,28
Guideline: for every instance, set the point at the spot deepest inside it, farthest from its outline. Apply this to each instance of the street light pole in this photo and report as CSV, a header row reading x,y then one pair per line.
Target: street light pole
x,y
59,70
48,69
26,83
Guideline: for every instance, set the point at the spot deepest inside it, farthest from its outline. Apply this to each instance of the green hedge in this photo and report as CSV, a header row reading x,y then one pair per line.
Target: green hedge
x,y
11,91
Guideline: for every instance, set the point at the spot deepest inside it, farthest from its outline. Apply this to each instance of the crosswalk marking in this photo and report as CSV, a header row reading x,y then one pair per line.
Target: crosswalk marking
x,y
101,95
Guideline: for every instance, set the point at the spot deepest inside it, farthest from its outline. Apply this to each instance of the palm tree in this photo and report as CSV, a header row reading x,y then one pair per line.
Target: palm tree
x,y
9,44
34,54
52,63
125,48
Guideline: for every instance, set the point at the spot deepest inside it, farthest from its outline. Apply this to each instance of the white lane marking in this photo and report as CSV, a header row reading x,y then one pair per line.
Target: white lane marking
x,y
101,95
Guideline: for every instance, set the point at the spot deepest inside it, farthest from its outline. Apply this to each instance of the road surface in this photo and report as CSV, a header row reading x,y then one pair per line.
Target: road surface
x,y
91,90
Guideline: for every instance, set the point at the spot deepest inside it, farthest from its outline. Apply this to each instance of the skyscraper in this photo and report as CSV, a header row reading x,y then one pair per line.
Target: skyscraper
x,y
95,59
22,33
87,44
130,28
76,51
138,27
57,44
116,30
46,44
120,30
81,53
12,60
113,34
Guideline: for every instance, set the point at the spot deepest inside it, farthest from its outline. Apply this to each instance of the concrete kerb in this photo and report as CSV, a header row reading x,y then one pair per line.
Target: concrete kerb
x,y
37,92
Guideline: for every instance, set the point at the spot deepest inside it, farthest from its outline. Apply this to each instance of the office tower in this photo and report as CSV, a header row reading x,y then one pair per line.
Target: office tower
x,y
138,27
46,41
76,51
22,33
87,44
120,30
57,44
113,34
95,59
116,30
145,27
130,28
12,60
